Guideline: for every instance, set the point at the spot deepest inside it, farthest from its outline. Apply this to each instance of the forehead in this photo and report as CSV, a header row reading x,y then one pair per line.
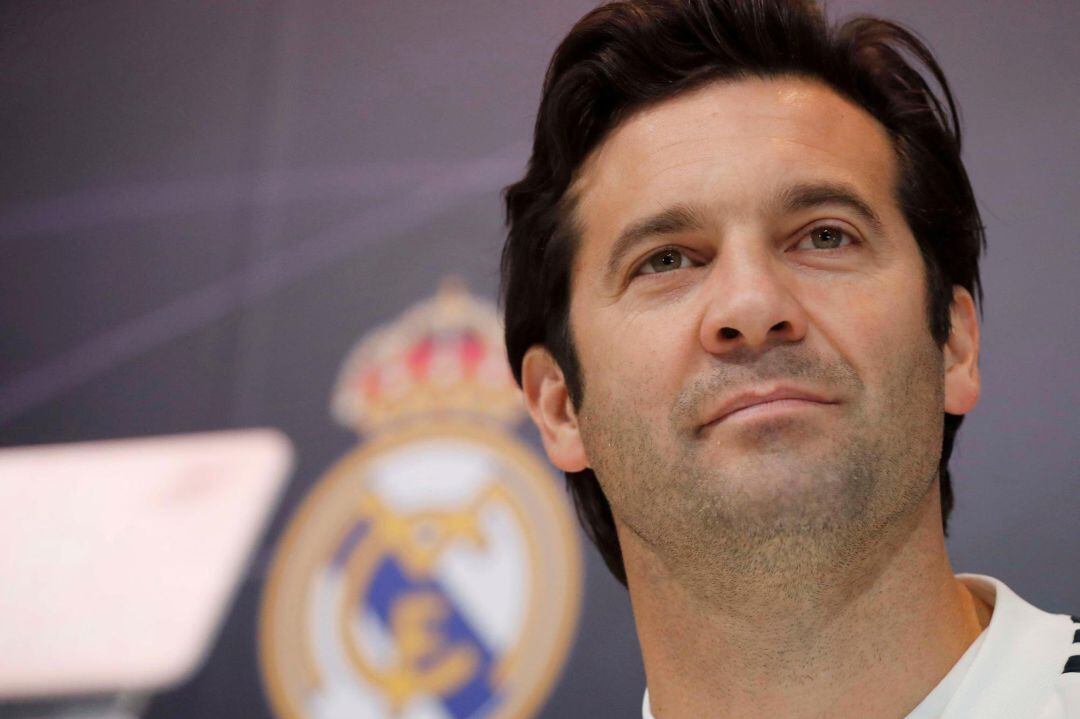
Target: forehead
x,y
728,147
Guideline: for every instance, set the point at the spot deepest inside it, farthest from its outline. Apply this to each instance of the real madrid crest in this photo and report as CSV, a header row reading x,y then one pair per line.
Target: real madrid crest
x,y
434,571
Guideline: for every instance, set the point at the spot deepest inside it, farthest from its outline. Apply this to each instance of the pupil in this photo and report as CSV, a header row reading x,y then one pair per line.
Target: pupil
x,y
666,260
827,236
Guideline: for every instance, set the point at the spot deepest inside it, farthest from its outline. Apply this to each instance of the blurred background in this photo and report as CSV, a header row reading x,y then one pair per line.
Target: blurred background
x,y
203,206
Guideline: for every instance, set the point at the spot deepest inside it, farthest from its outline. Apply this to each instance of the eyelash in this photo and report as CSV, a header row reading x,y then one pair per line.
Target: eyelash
x,y
853,241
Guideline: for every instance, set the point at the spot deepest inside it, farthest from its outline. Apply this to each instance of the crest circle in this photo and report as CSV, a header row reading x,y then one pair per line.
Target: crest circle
x,y
525,489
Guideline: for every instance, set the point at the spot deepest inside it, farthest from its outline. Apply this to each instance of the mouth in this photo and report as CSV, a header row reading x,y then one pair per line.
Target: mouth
x,y
763,405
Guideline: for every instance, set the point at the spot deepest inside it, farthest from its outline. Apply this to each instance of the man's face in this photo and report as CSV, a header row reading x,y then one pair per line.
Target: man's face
x,y
742,242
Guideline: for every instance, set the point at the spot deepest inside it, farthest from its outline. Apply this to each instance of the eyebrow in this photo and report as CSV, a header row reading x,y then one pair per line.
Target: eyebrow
x,y
807,196
681,217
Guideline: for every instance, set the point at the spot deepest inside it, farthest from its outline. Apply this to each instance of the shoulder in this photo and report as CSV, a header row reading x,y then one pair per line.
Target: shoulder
x,y
1063,701
1029,664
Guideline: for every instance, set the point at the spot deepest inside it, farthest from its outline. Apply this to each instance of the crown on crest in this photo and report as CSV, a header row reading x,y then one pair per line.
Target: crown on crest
x,y
444,357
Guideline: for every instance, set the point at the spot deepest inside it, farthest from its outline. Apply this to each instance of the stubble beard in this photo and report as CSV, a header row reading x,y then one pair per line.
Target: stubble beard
x,y
787,510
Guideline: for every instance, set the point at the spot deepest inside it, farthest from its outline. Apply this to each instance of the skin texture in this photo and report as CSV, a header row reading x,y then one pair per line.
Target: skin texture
x,y
787,559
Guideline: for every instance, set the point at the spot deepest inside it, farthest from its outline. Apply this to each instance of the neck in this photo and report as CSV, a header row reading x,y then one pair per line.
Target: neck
x,y
873,642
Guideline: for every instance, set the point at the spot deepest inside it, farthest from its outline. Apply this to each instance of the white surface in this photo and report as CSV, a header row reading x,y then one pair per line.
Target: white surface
x,y
118,559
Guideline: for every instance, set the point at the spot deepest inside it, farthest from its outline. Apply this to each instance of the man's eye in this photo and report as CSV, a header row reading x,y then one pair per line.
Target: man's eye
x,y
826,237
665,260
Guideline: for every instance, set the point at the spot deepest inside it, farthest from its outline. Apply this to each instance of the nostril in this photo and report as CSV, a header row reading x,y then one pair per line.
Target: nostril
x,y
781,326
729,333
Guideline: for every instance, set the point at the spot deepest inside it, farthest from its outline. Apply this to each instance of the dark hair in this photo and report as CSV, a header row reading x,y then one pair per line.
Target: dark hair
x,y
626,55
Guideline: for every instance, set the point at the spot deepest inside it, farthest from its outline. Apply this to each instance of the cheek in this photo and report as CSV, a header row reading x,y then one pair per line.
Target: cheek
x,y
879,327
633,359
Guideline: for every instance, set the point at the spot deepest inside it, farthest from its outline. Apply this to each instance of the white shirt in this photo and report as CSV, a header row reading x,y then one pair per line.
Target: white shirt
x,y
1026,663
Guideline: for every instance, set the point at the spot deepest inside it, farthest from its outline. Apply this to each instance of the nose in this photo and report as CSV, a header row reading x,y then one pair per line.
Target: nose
x,y
750,305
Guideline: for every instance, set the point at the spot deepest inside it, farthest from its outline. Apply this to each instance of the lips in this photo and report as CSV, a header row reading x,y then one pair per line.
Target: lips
x,y
756,397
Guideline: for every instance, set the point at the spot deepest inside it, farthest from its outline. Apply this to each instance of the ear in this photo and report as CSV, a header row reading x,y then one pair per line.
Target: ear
x,y
553,414
962,355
